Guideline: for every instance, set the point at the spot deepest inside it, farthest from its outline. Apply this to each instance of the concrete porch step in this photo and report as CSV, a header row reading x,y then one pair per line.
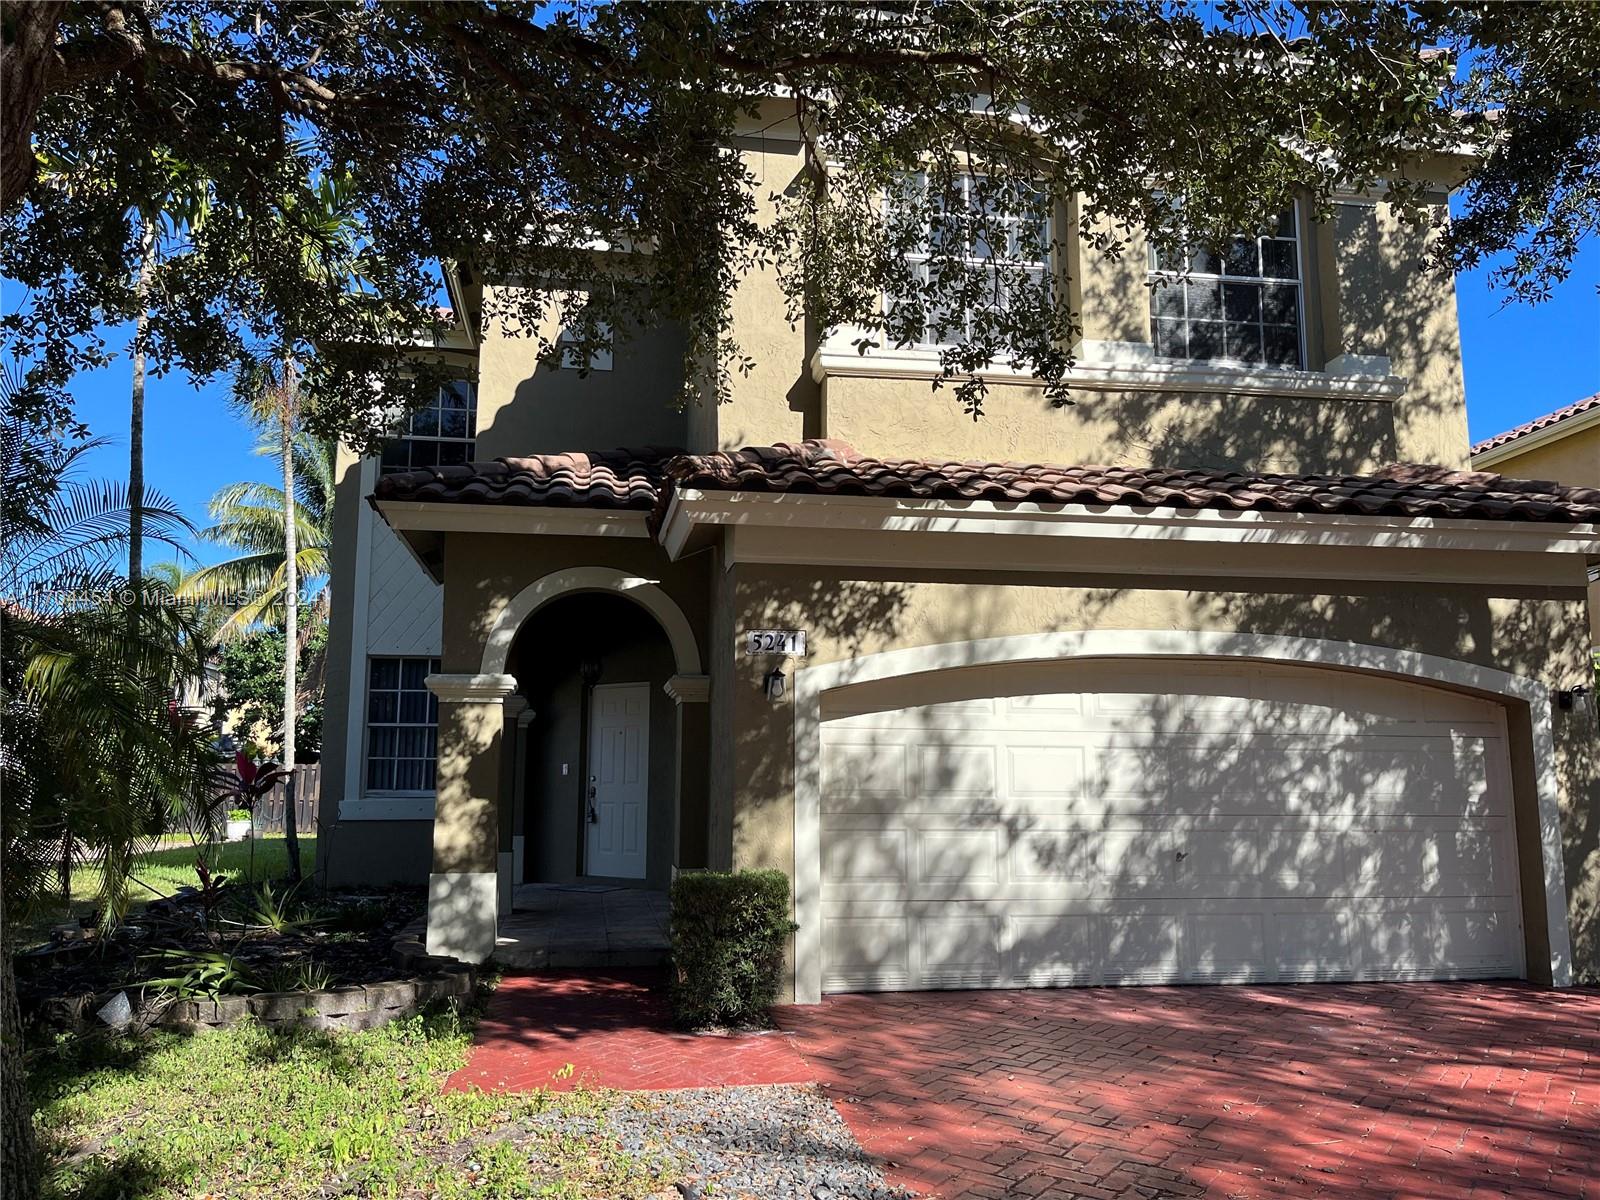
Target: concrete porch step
x,y
518,956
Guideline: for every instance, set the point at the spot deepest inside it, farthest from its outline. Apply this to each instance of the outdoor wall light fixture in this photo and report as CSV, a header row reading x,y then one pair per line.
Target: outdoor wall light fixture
x,y
772,684
1567,698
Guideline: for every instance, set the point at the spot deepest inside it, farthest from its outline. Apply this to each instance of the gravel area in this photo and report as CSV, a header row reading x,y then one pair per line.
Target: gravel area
x,y
751,1143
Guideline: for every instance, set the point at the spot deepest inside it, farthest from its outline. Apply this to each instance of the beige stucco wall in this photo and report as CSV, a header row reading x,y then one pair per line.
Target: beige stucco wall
x,y
1574,459
1536,631
879,416
525,407
777,401
1364,295
1363,291
1383,302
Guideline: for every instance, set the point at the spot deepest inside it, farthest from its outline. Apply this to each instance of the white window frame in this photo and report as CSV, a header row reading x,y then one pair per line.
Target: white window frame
x,y
367,725
438,408
1298,282
599,359
918,260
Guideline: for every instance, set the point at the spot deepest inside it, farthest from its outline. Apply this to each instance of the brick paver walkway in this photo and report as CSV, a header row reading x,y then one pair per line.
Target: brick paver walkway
x,y
1396,1090
567,1029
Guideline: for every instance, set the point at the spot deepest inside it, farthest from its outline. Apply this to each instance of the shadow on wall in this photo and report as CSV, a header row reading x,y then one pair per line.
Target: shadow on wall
x,y
1013,788
1205,772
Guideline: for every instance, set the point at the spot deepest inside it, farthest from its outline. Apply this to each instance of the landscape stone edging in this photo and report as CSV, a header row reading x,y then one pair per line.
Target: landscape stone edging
x,y
358,1006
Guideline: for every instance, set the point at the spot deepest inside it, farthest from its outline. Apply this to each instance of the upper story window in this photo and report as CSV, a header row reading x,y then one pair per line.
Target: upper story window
x,y
599,359
1242,306
439,434
999,243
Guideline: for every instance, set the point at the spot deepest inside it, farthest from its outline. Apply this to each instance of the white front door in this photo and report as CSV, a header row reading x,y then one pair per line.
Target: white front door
x,y
618,808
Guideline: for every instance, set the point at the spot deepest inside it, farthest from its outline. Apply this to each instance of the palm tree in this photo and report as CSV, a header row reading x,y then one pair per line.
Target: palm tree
x,y
184,203
280,557
249,517
318,214
91,756
93,761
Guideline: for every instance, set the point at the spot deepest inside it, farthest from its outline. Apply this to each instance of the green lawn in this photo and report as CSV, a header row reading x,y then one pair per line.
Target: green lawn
x,y
163,871
247,1112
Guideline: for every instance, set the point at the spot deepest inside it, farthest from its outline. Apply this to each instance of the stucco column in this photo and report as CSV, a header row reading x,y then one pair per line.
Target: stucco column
x,y
519,798
691,794
462,892
512,710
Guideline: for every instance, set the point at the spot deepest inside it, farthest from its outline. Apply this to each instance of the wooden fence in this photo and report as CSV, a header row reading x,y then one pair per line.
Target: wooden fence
x,y
308,791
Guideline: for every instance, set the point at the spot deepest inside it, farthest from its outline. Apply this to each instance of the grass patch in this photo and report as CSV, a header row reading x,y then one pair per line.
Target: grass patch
x,y
161,872
249,1112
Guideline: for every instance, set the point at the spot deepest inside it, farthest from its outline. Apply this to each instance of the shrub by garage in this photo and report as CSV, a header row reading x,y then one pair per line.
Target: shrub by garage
x,y
729,931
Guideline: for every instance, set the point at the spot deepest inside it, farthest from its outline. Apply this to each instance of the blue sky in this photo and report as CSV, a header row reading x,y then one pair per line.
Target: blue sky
x,y
1520,362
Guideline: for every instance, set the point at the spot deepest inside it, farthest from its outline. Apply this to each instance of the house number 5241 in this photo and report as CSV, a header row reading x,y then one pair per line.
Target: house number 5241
x,y
775,641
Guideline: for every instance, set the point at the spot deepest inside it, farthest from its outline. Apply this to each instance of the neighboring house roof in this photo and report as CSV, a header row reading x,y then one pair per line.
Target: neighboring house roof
x,y
1537,425
624,478
645,479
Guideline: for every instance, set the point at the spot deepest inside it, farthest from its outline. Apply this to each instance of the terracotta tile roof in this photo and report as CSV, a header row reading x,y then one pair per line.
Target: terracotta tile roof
x,y
1403,490
1538,423
626,478
644,479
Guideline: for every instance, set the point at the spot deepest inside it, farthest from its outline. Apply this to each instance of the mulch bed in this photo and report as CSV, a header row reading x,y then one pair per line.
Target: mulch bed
x,y
339,938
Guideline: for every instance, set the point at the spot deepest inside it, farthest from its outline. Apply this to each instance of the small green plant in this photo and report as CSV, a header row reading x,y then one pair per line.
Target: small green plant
x,y
300,977
238,814
204,973
279,912
728,937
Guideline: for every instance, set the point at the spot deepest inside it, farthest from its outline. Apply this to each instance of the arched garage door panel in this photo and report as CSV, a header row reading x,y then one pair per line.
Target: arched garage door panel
x,y
1163,822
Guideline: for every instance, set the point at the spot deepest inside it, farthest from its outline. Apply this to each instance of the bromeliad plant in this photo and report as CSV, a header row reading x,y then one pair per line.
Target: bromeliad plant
x,y
204,973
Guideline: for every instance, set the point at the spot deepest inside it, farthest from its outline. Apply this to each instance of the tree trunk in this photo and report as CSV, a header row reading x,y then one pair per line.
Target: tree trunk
x,y
141,329
19,1163
291,612
25,60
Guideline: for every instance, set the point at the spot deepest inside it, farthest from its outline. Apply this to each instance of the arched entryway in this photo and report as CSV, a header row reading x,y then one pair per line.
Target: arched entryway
x,y
582,651
595,789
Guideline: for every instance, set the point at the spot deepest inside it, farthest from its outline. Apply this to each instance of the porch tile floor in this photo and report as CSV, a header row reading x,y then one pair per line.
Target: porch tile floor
x,y
578,925
611,1029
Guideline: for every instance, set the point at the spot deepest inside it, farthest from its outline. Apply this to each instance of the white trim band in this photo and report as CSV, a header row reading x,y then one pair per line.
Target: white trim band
x,y
688,689
538,520
1116,373
862,531
488,688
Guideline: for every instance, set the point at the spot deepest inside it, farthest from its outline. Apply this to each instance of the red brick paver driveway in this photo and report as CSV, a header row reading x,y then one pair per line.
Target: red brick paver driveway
x,y
612,1029
1393,1090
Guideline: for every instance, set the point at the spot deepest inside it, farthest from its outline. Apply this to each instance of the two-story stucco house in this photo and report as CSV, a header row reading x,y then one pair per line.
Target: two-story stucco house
x,y
1184,682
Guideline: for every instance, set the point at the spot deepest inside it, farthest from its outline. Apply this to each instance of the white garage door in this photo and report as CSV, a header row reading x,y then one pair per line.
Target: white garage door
x,y
1163,822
